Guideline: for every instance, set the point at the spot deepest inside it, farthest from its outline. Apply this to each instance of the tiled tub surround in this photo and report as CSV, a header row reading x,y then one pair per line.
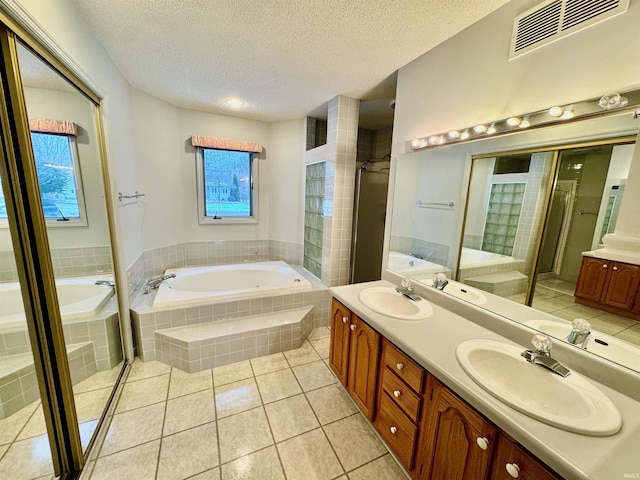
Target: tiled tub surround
x,y
199,347
430,251
218,252
147,320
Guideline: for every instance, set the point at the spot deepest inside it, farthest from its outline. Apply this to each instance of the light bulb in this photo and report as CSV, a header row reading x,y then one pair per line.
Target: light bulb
x,y
524,124
434,140
491,130
454,134
556,111
480,128
514,121
566,115
415,143
464,135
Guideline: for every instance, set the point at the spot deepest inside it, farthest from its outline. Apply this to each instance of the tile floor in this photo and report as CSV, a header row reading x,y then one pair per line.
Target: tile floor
x,y
283,416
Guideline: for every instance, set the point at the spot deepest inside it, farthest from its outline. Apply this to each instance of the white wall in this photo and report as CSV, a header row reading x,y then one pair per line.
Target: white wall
x,y
468,79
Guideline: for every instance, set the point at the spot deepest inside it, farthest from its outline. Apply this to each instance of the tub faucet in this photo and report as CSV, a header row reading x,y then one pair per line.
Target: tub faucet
x,y
440,281
105,283
406,289
580,333
154,282
542,355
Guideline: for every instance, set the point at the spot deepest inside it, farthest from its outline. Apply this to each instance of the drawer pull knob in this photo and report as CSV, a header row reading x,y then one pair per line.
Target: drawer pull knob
x,y
604,266
615,268
396,393
345,319
482,442
394,430
352,327
399,366
513,469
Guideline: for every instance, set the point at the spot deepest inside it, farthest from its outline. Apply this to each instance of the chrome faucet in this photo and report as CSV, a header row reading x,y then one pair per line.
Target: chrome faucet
x,y
105,283
580,333
154,282
440,281
542,355
406,289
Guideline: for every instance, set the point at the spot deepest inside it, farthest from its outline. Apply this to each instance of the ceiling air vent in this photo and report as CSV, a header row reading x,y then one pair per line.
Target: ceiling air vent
x,y
555,19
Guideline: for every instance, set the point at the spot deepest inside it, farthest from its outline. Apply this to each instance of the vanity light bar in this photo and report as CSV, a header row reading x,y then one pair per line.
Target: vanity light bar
x,y
596,107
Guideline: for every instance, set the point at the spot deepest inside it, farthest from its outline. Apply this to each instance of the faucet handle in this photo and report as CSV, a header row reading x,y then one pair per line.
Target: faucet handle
x,y
542,343
580,325
406,283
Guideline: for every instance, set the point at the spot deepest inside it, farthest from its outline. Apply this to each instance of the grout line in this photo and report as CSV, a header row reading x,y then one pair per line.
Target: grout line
x,y
164,419
215,414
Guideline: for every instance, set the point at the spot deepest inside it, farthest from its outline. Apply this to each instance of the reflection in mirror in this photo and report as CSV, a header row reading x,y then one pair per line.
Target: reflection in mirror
x,y
67,154
488,246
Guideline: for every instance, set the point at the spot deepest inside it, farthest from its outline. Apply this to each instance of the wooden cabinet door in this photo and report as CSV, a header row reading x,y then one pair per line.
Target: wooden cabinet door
x,y
622,285
459,441
510,461
340,337
363,365
592,278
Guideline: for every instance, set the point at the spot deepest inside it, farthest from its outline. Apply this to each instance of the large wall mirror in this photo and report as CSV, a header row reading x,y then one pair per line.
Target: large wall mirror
x,y
507,220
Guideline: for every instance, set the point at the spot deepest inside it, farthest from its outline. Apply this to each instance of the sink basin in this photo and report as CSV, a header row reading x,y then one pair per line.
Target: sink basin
x,y
601,344
571,403
386,301
460,290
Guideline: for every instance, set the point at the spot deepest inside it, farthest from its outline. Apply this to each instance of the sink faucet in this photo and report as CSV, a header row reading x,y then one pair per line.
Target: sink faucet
x,y
580,333
440,281
154,282
406,289
542,355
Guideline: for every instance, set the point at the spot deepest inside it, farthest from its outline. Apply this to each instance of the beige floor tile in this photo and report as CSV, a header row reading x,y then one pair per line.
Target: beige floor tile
x,y
269,363
631,334
35,426
3,449
27,459
384,468
232,373
331,403
290,417
188,453
90,405
133,427
261,465
322,346
10,427
87,429
354,441
140,369
137,463
237,397
305,354
278,385
189,411
578,311
314,375
97,381
318,333
184,383
213,474
243,433
309,457
611,324
143,392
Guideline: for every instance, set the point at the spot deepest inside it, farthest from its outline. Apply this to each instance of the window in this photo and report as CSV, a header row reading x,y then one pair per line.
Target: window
x,y
226,186
59,179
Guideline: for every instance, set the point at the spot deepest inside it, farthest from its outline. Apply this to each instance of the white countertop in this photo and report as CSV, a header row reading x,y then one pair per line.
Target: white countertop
x,y
432,343
614,255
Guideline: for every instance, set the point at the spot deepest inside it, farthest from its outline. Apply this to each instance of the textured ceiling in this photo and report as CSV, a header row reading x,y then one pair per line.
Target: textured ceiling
x,y
283,58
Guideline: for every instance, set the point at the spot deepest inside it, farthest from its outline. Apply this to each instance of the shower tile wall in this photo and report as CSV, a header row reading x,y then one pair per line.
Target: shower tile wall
x,y
503,215
431,251
314,217
366,145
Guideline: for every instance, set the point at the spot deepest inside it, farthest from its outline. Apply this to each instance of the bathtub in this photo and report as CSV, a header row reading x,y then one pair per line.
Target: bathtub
x,y
195,285
472,258
411,266
78,297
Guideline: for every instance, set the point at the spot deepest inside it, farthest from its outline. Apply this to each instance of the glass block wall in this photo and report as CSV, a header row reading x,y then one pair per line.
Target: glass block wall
x,y
313,217
503,216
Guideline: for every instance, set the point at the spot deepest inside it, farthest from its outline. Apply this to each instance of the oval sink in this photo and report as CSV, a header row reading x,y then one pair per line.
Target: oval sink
x,y
601,344
386,301
460,290
571,403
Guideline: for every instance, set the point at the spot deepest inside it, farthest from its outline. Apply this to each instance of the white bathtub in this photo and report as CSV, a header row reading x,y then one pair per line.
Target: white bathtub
x,y
196,285
408,265
78,297
472,258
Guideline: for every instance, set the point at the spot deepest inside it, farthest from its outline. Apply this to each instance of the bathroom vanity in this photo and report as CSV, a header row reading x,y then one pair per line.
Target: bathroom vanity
x,y
404,376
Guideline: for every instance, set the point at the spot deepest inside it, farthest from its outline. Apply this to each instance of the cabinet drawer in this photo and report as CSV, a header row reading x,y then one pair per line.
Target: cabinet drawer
x,y
401,394
403,366
510,461
397,430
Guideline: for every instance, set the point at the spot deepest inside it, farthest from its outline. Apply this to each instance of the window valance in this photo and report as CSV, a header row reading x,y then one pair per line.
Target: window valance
x,y
225,144
45,125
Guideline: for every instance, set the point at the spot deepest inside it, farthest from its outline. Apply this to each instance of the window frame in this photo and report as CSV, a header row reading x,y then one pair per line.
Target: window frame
x,y
203,219
81,220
